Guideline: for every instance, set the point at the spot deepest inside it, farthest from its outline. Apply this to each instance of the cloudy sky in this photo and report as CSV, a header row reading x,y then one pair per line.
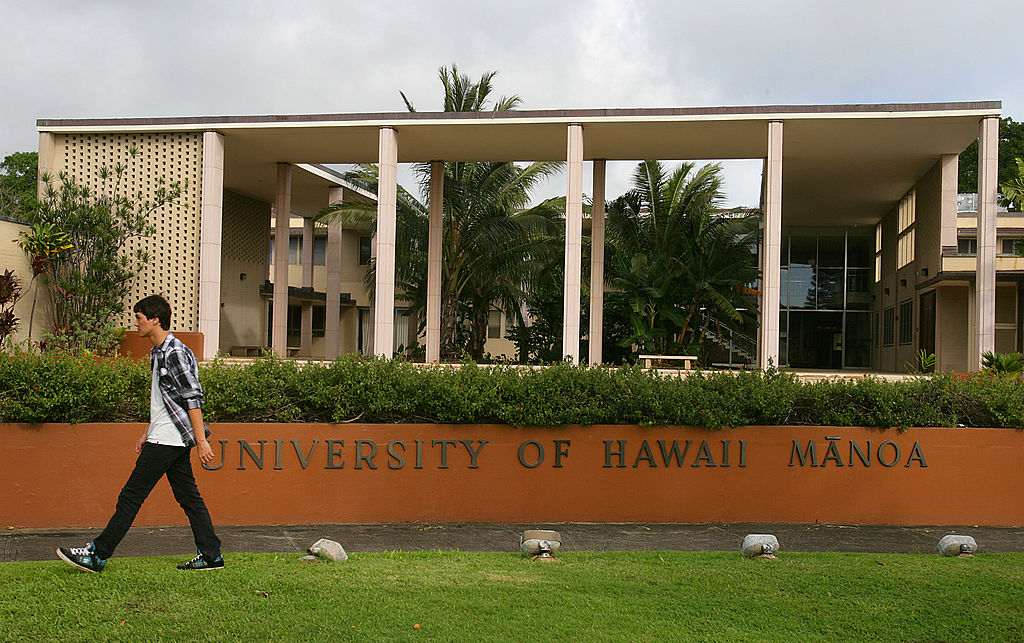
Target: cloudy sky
x,y
94,59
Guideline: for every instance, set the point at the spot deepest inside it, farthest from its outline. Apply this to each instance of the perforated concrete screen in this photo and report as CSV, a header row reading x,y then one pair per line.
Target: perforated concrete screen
x,y
173,268
246,229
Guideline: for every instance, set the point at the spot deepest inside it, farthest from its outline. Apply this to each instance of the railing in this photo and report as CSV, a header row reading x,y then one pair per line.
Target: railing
x,y
737,349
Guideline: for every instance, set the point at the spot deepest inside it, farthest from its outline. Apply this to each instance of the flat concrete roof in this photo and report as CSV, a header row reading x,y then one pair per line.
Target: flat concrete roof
x,y
847,163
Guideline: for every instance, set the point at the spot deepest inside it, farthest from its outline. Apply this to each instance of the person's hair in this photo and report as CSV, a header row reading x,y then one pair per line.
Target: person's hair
x,y
155,307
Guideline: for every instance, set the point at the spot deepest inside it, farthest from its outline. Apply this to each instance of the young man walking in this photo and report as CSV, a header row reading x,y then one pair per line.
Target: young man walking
x,y
175,426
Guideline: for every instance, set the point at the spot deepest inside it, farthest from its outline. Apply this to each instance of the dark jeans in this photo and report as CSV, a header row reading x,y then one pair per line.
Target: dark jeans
x,y
155,461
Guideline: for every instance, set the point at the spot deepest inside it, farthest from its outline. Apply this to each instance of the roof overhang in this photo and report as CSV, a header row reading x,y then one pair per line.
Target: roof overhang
x,y
849,163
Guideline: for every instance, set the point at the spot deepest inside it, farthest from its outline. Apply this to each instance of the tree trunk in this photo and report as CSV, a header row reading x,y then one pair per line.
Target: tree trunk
x,y
449,319
478,329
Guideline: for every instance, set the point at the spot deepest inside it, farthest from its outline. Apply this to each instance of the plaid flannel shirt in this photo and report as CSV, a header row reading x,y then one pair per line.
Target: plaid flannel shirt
x,y
179,384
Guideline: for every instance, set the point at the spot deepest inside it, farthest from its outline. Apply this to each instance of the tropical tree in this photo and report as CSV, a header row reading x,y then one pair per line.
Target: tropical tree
x,y
679,264
18,184
1013,187
1011,146
490,233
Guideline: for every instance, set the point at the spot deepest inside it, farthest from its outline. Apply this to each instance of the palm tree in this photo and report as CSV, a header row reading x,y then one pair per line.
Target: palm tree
x,y
490,233
1013,188
680,264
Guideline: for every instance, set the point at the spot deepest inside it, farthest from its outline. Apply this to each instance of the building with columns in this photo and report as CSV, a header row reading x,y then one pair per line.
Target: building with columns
x,y
865,257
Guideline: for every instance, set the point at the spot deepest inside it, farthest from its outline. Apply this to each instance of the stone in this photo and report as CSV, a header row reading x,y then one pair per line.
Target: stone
x,y
957,545
537,541
760,545
328,549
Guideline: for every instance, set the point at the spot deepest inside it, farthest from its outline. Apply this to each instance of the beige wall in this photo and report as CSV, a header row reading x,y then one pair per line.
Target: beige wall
x,y
12,257
928,253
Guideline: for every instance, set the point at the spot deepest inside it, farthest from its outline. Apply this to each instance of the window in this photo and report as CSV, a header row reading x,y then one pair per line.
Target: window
x,y
1009,245
295,250
319,320
888,322
364,251
494,325
906,216
878,253
907,321
295,320
967,246
400,336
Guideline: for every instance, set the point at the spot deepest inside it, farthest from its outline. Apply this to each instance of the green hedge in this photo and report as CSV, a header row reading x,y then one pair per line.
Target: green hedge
x,y
49,388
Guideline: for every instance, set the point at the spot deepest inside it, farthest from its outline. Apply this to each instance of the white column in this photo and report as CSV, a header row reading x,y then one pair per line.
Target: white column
x,y
306,332
573,244
387,198
211,213
434,262
768,346
597,264
282,209
985,299
333,261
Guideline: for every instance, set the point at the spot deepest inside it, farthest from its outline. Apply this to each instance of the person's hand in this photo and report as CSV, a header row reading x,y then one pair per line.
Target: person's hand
x,y
138,443
205,452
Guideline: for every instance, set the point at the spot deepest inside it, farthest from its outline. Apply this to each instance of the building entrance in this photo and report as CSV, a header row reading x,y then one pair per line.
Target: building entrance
x,y
826,316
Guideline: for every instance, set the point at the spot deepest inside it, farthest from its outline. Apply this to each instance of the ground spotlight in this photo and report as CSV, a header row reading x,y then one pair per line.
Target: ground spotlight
x,y
957,545
540,543
760,546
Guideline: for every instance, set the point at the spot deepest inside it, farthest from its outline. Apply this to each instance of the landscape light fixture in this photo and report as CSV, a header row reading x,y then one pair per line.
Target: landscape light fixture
x,y
957,545
541,544
760,546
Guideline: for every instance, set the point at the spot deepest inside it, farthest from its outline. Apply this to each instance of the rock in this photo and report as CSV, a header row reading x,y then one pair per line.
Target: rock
x,y
328,549
957,545
760,545
536,541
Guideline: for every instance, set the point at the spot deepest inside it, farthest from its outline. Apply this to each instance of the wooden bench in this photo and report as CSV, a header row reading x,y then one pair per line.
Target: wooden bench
x,y
687,360
257,351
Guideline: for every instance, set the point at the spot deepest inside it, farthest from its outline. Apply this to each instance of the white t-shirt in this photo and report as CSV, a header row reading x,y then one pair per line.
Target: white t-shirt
x,y
161,427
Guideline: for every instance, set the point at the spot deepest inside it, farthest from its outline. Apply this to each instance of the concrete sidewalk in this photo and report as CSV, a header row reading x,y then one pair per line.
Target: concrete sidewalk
x,y
33,544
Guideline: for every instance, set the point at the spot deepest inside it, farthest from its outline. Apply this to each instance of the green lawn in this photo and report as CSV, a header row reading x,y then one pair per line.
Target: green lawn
x,y
498,596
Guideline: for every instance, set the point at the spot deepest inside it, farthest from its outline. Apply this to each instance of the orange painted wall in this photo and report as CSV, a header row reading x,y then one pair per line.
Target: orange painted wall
x,y
69,476
137,348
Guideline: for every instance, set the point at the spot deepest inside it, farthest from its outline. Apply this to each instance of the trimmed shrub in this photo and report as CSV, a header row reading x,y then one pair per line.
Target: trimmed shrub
x,y
54,388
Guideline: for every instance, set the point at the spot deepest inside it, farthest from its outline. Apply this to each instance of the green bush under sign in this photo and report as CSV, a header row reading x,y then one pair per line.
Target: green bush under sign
x,y
53,388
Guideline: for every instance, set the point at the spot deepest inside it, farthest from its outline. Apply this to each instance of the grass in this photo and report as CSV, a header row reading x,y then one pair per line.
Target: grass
x,y
500,596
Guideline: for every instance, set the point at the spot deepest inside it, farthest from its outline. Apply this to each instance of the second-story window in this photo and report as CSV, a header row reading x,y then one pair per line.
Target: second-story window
x,y
967,246
319,251
907,216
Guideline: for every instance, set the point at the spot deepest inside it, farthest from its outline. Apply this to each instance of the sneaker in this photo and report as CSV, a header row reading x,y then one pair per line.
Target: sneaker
x,y
202,563
83,558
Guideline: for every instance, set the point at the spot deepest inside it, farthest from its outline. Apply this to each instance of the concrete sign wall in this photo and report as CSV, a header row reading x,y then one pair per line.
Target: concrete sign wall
x,y
58,475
